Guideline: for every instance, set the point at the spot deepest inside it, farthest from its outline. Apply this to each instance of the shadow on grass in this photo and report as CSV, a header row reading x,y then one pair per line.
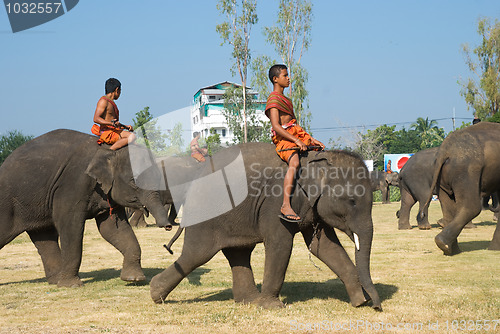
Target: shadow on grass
x,y
102,275
293,292
486,223
470,246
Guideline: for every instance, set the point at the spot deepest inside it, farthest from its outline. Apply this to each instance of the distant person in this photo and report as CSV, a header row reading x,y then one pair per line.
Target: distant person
x,y
476,120
108,127
287,135
196,151
388,167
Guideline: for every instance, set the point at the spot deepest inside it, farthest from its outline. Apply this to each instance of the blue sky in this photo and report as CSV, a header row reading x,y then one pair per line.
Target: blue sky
x,y
370,62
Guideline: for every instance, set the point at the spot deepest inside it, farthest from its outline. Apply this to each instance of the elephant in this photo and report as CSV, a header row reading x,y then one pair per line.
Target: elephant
x,y
466,171
332,191
381,181
415,180
54,183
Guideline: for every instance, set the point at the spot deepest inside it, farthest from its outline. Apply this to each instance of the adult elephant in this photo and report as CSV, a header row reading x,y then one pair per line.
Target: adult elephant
x,y
55,182
333,191
415,180
466,171
381,181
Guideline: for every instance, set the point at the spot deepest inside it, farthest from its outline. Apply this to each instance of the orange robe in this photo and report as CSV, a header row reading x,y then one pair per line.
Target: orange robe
x,y
107,134
284,104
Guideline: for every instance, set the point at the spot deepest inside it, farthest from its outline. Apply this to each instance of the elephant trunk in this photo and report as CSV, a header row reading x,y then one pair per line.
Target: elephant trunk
x,y
153,203
363,243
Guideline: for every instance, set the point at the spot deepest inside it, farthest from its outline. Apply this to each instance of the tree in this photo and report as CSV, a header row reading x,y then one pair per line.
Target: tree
x,y
429,132
257,130
236,32
148,132
174,137
482,93
11,141
291,38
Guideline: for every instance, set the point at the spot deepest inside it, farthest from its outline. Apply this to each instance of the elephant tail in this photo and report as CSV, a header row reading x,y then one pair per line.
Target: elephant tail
x,y
440,161
174,238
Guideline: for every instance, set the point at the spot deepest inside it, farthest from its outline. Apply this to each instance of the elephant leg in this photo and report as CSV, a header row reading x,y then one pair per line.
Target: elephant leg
x,y
327,247
135,217
407,202
495,242
46,242
117,231
385,195
448,208
244,289
446,240
424,223
278,249
172,215
71,241
197,250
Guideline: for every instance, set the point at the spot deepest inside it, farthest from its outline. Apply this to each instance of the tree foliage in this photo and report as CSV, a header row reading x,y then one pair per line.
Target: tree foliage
x,y
385,139
11,141
290,37
430,134
257,130
482,91
149,133
241,16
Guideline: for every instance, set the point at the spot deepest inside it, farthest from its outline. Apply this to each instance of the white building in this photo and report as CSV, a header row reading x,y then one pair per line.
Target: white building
x,y
206,112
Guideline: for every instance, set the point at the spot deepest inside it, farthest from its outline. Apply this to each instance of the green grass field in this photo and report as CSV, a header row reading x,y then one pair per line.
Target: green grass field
x,y
422,291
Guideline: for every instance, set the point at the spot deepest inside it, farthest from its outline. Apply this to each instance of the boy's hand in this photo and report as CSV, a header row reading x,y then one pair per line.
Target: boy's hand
x,y
301,145
318,143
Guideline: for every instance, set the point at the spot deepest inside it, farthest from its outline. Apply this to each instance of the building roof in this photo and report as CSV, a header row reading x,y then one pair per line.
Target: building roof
x,y
216,88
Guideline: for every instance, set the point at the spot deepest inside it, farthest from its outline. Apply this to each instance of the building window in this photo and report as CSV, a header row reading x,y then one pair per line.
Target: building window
x,y
223,132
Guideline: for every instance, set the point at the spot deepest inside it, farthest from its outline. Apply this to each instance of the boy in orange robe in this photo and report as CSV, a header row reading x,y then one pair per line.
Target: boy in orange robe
x,y
110,130
286,134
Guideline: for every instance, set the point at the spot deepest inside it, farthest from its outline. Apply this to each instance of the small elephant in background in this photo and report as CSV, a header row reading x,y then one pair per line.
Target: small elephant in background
x,y
415,180
381,181
465,172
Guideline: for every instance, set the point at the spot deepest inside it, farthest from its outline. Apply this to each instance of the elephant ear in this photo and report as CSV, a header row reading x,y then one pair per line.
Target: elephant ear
x,y
100,169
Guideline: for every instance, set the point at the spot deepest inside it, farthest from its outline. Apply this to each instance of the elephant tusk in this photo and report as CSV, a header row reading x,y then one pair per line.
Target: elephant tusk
x,y
356,241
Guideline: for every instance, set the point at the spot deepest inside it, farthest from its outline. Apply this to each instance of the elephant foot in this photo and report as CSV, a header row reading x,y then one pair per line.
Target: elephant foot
x,y
494,246
53,279
404,226
441,222
132,275
360,299
448,249
270,302
247,299
157,290
72,282
424,226
470,225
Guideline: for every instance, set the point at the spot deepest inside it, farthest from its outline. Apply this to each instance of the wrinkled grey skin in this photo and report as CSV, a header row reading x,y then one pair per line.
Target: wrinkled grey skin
x,y
466,171
381,181
415,180
55,182
256,220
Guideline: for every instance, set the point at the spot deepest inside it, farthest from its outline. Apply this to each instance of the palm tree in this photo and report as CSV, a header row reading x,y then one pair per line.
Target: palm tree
x,y
428,130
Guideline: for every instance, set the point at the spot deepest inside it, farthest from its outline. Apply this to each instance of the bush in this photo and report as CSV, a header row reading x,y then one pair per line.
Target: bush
x,y
394,195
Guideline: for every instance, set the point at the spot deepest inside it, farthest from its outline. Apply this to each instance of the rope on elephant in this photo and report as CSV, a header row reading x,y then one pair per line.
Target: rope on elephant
x,y
315,234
